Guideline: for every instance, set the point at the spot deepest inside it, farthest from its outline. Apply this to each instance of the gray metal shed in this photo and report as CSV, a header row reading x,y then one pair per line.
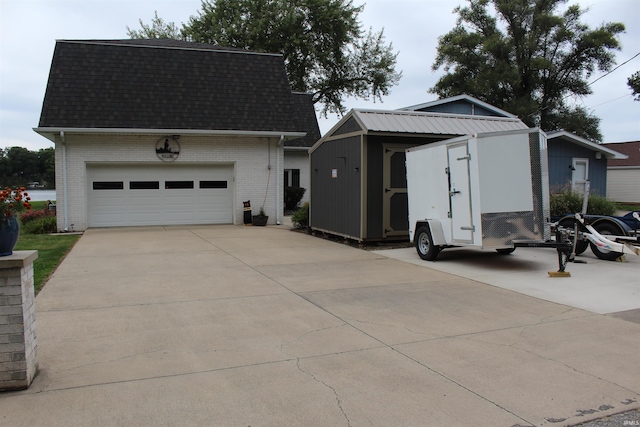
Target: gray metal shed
x,y
358,174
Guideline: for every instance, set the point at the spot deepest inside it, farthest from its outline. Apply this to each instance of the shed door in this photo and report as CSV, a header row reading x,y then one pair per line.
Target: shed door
x,y
459,193
395,206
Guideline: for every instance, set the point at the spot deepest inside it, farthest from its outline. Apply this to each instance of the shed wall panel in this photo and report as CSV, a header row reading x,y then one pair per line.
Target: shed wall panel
x,y
336,187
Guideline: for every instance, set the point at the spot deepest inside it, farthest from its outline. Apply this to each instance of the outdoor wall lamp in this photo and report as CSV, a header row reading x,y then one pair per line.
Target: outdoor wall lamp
x,y
572,168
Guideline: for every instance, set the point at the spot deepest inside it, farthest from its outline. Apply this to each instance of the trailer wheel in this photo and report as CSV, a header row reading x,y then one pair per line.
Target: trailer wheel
x,y
569,223
424,245
505,251
607,229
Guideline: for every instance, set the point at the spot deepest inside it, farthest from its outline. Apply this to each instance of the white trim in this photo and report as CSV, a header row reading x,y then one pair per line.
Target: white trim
x,y
52,132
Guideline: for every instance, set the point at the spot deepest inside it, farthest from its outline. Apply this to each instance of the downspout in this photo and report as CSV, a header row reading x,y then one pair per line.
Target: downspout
x,y
279,191
65,202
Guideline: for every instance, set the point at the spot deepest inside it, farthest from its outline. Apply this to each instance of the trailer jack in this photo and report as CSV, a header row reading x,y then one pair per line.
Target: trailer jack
x,y
563,246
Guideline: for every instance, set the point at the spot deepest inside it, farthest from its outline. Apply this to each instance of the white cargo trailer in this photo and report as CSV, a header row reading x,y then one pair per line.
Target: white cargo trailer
x,y
485,190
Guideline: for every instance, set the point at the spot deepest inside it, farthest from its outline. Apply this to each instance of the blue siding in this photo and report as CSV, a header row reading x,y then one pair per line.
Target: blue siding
x,y
561,155
460,107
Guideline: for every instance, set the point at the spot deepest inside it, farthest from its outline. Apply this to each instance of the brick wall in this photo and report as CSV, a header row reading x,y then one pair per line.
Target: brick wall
x,y
18,345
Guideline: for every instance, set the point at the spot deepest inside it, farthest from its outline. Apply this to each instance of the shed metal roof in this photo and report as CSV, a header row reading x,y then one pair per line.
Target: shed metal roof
x,y
433,123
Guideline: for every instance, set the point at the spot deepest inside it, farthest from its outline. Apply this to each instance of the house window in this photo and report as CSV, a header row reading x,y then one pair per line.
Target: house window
x,y
291,178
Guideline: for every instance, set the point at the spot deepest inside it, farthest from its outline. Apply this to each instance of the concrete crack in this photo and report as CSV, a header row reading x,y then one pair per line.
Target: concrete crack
x,y
333,390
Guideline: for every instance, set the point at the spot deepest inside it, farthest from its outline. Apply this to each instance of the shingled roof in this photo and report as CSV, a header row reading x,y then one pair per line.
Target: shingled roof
x,y
631,149
307,120
166,84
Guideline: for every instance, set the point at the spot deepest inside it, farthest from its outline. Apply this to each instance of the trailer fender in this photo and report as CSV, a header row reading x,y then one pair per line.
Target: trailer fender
x,y
435,227
612,225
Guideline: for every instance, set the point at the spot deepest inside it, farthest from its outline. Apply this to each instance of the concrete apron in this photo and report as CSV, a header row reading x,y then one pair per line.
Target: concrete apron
x,y
261,326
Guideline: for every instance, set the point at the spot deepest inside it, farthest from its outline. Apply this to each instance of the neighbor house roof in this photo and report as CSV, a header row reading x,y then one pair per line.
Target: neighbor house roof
x,y
460,104
568,136
167,84
630,149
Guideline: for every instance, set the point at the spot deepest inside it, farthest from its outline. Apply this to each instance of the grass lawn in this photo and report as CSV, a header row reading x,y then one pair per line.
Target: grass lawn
x,y
51,251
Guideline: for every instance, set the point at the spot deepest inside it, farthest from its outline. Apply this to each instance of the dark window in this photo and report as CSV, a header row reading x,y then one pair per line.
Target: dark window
x,y
213,184
292,178
144,185
178,184
108,185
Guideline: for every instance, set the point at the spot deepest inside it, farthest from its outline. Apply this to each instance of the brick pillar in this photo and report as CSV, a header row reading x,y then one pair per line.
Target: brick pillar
x,y
18,348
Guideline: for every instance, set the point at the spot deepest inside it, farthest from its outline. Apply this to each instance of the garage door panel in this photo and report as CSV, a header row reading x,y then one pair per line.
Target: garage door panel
x,y
144,198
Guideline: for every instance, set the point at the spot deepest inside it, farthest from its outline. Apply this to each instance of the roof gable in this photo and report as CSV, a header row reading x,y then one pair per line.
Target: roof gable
x,y
460,104
166,84
575,139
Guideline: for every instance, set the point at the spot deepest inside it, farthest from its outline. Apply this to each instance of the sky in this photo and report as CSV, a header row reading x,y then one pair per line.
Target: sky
x,y
30,28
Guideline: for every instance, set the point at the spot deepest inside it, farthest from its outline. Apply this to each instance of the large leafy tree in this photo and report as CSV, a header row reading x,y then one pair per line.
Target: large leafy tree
x,y
325,49
19,166
529,58
634,85
158,29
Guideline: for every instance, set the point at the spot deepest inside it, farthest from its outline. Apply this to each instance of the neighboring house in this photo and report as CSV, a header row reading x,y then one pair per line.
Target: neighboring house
x,y
160,132
460,104
574,160
623,175
358,173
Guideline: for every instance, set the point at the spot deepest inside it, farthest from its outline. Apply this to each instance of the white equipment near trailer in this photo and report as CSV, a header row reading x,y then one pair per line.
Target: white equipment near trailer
x,y
486,190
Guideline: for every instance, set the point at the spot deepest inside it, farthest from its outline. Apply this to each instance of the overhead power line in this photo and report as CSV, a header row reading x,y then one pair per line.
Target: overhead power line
x,y
606,74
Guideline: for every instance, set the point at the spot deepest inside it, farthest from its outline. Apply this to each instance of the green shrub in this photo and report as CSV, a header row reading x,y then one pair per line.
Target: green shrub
x,y
44,225
292,196
566,201
300,218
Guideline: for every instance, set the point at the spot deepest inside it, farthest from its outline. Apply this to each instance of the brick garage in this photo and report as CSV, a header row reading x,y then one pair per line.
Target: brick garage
x,y
160,132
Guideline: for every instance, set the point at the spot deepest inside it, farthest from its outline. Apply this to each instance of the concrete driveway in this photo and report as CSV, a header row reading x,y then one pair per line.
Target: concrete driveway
x,y
253,326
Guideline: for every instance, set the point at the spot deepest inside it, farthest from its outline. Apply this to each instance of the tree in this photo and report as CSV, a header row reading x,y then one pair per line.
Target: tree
x,y
325,50
19,166
634,84
157,30
526,58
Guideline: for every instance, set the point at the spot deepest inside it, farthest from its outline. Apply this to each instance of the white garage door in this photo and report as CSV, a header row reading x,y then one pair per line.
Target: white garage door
x,y
168,194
